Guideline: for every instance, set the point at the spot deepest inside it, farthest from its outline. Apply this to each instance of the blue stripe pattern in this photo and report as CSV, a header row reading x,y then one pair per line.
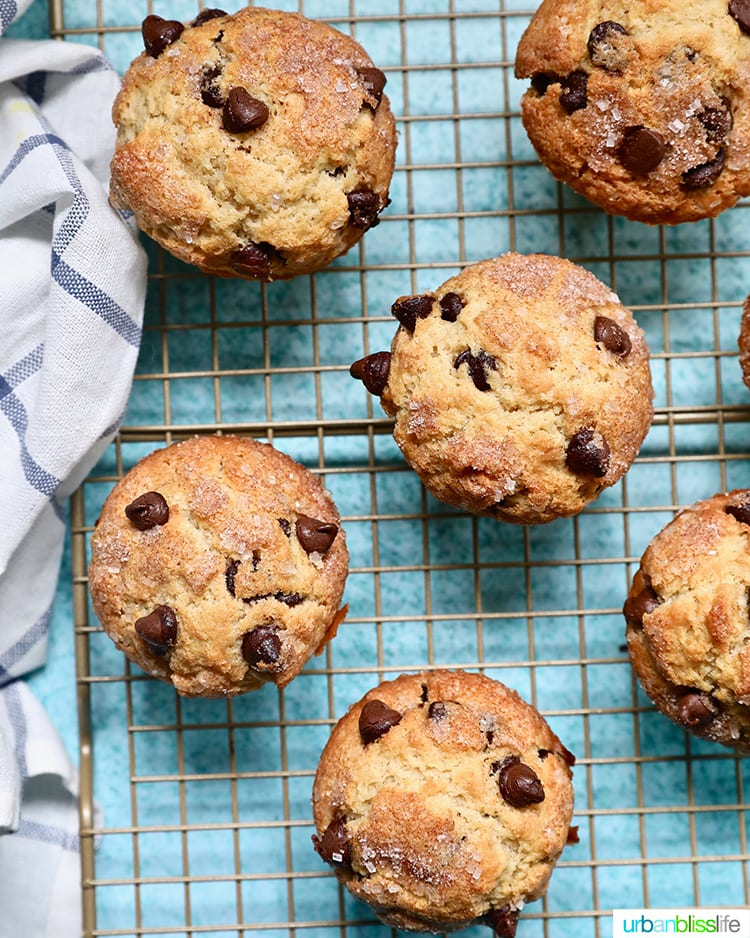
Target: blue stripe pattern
x,y
11,656
46,833
18,725
13,408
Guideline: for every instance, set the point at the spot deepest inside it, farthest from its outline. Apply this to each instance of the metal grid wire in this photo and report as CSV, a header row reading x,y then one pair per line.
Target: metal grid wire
x,y
207,818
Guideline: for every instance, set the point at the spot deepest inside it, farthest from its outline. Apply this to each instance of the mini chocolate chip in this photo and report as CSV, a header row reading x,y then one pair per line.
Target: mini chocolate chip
x,y
574,94
573,837
437,711
717,122
740,512
159,33
252,261
613,337
519,784
289,599
740,11
314,535
450,306
210,92
261,646
338,171
587,453
373,371
286,526
696,709
375,720
479,365
243,112
602,46
374,81
408,309
147,511
425,694
504,922
559,750
333,846
641,150
205,15
230,573
364,207
640,605
700,177
542,80
490,736
158,629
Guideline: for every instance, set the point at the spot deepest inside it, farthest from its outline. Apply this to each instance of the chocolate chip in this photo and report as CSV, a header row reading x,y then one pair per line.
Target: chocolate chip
x,y
519,784
159,33
252,261
490,736
437,711
373,371
574,94
740,512
613,337
158,629
338,171
503,922
425,694
229,574
588,453
696,709
374,81
717,122
640,605
286,526
740,11
479,365
558,750
364,207
313,535
573,837
408,309
602,46
261,646
641,150
147,511
333,846
289,599
243,112
700,177
542,80
205,15
375,720
210,92
450,306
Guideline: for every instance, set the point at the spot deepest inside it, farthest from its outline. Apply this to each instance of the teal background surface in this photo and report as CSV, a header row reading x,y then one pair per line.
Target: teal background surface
x,y
206,807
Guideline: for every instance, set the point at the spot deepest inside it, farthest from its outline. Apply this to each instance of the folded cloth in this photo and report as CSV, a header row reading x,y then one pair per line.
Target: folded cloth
x,y
73,284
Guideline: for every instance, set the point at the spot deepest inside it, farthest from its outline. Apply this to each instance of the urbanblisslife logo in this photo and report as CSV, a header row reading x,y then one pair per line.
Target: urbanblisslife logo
x,y
732,923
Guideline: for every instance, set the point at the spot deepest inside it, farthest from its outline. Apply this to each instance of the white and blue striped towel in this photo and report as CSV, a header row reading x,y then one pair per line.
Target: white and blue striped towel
x,y
72,285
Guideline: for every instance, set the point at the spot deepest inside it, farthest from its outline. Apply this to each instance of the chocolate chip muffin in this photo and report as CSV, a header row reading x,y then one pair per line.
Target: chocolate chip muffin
x,y
642,107
256,145
443,798
744,342
219,564
687,619
521,388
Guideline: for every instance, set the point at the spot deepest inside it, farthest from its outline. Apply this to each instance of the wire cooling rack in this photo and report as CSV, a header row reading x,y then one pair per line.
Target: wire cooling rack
x,y
205,816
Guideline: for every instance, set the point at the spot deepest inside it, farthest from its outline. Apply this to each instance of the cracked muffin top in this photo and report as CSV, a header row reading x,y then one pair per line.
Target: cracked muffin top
x,y
258,144
687,619
641,107
219,564
442,798
520,388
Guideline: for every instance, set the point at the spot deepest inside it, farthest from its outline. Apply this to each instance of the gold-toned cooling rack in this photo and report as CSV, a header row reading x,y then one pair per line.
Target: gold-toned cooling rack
x,y
206,817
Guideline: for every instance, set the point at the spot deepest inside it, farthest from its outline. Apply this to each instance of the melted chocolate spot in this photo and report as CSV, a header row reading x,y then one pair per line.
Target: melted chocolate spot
x,y
424,695
700,177
542,80
333,846
641,150
252,261
573,837
613,337
503,922
159,33
158,629
210,92
740,512
410,308
286,526
314,535
374,81
364,208
640,605
717,122
602,46
229,574
261,646
437,711
479,366
739,10
559,750
588,453
574,94
243,112
147,511
373,371
205,15
696,709
519,784
376,719
450,306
